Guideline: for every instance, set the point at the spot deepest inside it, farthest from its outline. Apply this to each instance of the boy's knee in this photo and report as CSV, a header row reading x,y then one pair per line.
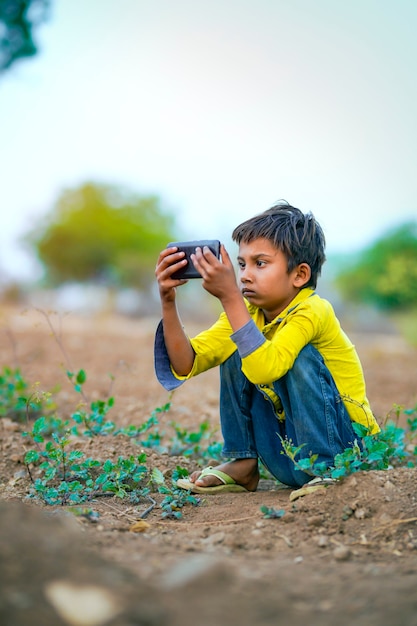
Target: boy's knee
x,y
308,363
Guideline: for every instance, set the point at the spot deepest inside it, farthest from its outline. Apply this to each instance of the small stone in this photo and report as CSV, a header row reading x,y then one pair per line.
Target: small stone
x,y
341,553
325,605
82,605
347,512
216,538
198,570
360,513
9,424
20,474
139,527
322,541
352,482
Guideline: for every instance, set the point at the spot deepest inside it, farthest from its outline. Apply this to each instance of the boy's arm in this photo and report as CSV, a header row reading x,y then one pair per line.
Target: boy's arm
x,y
177,343
180,352
219,279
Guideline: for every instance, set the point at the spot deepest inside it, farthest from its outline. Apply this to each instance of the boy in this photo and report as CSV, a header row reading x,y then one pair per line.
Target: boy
x,y
286,366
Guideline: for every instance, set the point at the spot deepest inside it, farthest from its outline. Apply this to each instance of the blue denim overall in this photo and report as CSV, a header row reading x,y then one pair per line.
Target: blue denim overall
x,y
314,415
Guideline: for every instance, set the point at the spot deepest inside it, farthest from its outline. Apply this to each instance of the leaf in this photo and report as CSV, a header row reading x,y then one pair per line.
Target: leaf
x,y
108,466
81,377
157,476
31,456
360,429
109,486
75,486
272,513
75,454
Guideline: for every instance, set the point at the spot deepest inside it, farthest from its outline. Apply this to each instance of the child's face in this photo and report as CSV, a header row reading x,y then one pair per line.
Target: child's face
x,y
264,279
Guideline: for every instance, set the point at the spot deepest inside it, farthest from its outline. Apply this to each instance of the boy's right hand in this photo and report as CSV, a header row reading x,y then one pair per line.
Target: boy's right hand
x,y
169,261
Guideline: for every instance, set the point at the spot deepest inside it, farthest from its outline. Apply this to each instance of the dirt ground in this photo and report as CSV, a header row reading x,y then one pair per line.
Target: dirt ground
x,y
343,555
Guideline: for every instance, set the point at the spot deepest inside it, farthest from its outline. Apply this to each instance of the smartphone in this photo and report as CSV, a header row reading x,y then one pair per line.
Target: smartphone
x,y
189,271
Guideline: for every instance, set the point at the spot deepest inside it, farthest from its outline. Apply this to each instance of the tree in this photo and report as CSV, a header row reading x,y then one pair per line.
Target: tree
x,y
385,274
102,233
18,18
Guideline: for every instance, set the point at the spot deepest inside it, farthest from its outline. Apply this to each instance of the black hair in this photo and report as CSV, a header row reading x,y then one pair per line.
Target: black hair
x,y
299,236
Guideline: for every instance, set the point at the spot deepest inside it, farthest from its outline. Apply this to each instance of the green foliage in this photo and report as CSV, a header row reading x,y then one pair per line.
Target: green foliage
x,y
66,476
19,18
386,273
83,511
94,421
14,400
199,445
393,446
102,233
175,499
12,388
191,444
151,427
271,513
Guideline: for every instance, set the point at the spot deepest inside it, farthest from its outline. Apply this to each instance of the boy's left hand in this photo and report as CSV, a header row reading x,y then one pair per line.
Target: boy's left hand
x,y
219,277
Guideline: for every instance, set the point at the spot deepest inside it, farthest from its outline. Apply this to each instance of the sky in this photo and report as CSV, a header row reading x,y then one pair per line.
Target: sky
x,y
219,107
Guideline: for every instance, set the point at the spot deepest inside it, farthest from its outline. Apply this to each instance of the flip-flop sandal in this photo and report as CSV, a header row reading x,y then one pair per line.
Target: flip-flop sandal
x,y
228,486
318,484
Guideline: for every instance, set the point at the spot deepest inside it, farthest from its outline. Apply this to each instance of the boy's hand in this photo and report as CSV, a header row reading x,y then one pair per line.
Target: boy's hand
x,y
169,261
219,277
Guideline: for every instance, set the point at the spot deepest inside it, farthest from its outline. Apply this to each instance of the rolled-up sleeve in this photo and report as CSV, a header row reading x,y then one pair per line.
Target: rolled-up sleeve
x,y
162,363
248,339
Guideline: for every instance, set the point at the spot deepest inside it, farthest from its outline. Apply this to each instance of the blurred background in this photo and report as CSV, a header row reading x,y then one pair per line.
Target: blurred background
x,y
125,125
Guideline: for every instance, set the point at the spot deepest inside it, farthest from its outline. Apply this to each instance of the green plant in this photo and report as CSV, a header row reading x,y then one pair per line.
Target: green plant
x,y
12,388
151,427
60,474
393,446
94,420
200,444
14,402
175,498
66,476
190,444
271,513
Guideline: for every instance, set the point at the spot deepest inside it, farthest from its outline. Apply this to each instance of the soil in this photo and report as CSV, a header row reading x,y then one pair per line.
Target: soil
x,y
342,555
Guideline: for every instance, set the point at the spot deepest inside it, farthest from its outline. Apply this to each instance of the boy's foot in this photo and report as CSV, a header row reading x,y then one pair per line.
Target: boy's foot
x,y
237,475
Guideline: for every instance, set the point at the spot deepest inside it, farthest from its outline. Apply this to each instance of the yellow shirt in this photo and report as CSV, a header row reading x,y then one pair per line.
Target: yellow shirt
x,y
307,319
